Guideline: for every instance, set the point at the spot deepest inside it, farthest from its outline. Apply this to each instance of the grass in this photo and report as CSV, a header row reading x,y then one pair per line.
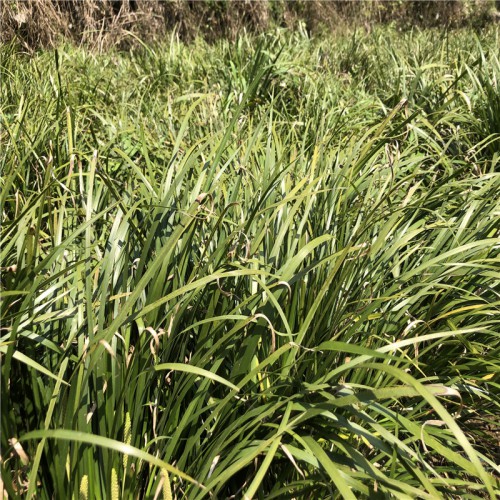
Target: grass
x,y
267,269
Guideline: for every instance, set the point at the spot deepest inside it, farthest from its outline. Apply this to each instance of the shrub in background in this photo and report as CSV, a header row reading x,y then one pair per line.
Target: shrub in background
x,y
107,23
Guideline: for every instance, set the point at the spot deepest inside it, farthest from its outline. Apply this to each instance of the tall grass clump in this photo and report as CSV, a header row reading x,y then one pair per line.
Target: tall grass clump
x,y
261,269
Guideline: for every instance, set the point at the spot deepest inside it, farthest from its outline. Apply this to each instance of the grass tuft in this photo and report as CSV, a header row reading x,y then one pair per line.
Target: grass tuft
x,y
261,269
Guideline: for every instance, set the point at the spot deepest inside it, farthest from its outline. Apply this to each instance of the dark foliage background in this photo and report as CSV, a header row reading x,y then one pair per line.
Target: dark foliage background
x,y
105,23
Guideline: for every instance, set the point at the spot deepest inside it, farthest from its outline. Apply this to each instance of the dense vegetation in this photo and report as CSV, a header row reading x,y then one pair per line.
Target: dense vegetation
x,y
104,23
264,269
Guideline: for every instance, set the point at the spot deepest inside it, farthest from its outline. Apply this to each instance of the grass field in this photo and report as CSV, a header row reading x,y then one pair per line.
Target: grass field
x,y
262,269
